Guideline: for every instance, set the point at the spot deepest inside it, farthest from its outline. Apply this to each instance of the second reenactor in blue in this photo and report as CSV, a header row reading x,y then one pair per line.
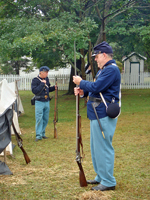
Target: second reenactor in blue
x,y
102,127
41,87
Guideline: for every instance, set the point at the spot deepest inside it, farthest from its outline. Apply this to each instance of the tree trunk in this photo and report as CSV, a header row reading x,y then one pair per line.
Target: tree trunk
x,y
103,30
17,67
90,59
100,36
71,83
82,64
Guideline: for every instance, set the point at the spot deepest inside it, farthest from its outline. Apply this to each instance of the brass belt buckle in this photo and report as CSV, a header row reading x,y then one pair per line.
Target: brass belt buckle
x,y
46,96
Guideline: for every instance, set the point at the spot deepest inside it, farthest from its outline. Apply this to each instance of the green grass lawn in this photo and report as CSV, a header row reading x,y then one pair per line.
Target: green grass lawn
x,y
53,172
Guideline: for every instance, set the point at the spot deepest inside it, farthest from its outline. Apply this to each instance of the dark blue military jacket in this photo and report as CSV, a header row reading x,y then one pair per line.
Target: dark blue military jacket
x,y
38,86
108,83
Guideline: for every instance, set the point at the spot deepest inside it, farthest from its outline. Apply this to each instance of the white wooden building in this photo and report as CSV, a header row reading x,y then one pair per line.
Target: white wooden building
x,y
133,67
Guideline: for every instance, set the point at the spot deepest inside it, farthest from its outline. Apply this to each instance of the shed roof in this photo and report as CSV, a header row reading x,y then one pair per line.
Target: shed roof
x,y
133,53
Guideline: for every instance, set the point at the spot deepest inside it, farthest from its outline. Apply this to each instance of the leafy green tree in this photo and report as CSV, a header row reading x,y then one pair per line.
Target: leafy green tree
x,y
103,12
128,32
21,22
48,39
46,29
36,32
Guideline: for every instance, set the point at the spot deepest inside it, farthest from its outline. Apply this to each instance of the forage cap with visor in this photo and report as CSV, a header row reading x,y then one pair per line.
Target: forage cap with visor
x,y
103,47
44,69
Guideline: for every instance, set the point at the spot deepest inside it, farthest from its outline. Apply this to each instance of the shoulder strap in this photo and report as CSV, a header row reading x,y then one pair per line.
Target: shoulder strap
x,y
42,88
40,80
120,97
103,100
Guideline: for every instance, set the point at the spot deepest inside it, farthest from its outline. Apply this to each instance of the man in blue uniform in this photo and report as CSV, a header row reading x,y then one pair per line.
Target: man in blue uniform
x,y
108,83
41,87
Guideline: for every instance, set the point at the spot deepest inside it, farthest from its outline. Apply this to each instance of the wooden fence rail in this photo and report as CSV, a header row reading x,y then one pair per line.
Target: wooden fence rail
x,y
128,81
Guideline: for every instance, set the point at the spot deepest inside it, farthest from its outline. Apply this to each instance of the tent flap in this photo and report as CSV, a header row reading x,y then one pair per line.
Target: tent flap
x,y
4,170
5,131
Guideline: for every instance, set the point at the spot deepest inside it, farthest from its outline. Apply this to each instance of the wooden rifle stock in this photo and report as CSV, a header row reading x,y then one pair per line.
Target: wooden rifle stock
x,y
82,178
20,145
55,111
27,159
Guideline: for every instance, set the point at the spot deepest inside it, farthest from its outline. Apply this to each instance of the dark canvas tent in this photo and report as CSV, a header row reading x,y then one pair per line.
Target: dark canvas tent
x,y
10,109
7,99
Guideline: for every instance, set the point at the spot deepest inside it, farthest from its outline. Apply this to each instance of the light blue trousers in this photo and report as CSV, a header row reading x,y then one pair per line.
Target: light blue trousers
x,y
42,110
102,151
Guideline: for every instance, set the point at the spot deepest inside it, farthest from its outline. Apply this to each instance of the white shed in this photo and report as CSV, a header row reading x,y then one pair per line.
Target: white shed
x,y
133,67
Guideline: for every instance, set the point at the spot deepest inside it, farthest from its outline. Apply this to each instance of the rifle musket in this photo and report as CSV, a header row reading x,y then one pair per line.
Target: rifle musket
x,y
82,178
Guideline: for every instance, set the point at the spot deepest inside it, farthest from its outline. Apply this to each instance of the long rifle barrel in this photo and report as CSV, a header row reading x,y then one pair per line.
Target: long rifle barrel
x,y
82,178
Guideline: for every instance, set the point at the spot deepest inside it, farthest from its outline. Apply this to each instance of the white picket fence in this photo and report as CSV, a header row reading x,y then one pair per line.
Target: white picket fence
x,y
132,81
24,82
128,81
135,81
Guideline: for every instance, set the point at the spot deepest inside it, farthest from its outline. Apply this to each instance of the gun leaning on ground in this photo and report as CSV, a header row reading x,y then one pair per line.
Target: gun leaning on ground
x,y
55,111
19,141
82,178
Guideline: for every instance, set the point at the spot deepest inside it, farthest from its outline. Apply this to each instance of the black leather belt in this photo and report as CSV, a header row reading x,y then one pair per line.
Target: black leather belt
x,y
99,100
42,97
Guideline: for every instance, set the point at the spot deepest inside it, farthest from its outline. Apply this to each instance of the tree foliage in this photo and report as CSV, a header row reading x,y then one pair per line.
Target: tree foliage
x,y
48,40
128,31
46,29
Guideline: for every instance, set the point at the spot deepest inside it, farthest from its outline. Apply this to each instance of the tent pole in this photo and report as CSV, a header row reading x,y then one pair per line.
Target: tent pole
x,y
5,155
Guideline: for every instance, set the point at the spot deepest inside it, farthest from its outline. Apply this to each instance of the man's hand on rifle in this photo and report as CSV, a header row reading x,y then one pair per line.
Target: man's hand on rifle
x,y
56,87
77,79
77,91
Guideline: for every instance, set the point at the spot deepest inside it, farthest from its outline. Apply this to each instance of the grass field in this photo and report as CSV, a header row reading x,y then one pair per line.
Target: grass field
x,y
53,172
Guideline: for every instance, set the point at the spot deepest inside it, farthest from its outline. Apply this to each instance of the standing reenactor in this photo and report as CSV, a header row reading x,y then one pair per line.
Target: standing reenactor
x,y
102,127
41,87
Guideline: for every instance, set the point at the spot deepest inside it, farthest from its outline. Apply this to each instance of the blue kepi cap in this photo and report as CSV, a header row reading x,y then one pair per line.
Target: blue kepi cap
x,y
103,47
44,69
